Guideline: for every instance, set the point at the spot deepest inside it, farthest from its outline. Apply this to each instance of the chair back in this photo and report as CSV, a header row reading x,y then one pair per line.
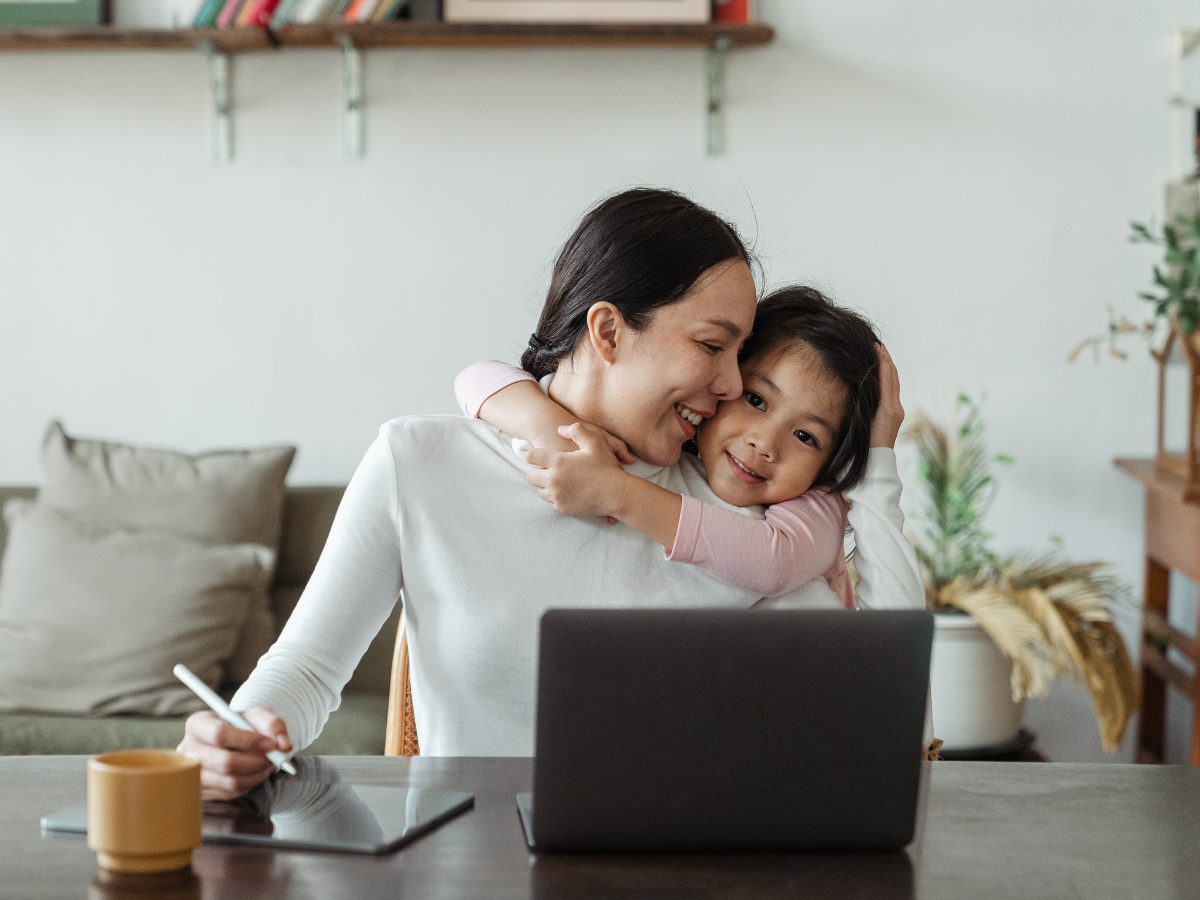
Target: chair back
x,y
401,737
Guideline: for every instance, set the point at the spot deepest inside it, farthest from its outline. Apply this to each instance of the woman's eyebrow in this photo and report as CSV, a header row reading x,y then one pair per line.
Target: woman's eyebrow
x,y
727,324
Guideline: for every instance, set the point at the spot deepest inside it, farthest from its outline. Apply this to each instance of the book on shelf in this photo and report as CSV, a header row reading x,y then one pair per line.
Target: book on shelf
x,y
206,16
79,13
229,12
733,11
310,11
256,13
367,10
284,13
304,12
387,10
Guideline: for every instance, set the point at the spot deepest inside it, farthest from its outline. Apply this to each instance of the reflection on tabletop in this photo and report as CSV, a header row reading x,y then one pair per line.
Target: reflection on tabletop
x,y
180,885
314,808
311,806
827,876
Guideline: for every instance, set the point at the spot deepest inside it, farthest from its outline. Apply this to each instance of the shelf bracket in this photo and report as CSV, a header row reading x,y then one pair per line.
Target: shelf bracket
x,y
716,94
353,143
222,106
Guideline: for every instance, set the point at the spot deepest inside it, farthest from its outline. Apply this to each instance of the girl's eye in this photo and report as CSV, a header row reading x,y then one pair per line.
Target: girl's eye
x,y
754,400
714,349
806,438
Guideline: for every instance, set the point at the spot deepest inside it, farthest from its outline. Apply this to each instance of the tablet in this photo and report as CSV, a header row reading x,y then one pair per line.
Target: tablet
x,y
300,813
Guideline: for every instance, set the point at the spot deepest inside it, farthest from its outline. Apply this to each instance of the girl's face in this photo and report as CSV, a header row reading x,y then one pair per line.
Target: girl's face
x,y
769,445
681,365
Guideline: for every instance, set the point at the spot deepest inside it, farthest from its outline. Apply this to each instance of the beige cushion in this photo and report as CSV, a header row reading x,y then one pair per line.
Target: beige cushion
x,y
223,497
92,619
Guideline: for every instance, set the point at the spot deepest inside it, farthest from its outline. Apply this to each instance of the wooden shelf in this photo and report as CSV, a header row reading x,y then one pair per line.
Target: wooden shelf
x,y
223,40
416,33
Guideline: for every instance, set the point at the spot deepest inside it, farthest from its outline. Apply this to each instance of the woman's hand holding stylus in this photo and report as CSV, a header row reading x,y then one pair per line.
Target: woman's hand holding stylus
x,y
232,761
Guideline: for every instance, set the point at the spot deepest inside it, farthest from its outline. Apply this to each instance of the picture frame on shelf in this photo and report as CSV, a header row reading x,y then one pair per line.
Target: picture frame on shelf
x,y
38,13
600,11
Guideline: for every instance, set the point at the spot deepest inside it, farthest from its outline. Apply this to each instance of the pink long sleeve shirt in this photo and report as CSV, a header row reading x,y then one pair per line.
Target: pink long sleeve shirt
x,y
796,540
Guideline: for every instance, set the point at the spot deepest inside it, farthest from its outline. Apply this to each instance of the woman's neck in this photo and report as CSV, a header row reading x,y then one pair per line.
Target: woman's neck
x,y
574,390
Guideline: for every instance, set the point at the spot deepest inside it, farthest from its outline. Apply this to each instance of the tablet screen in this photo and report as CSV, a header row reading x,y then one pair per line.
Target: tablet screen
x,y
313,810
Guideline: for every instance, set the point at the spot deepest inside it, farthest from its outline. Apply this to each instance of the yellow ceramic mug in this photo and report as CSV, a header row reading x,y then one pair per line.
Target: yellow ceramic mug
x,y
143,810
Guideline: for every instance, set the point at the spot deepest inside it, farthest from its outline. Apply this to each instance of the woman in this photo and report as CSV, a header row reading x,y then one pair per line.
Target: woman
x,y
656,296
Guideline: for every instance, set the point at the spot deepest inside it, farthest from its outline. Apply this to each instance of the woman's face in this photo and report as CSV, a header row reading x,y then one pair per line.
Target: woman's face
x,y
682,365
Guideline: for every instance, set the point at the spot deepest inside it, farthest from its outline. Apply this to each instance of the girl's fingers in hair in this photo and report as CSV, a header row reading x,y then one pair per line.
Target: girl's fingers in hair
x,y
885,427
889,377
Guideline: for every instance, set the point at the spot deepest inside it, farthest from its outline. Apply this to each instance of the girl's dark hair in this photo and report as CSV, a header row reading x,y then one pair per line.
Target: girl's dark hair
x,y
845,343
639,250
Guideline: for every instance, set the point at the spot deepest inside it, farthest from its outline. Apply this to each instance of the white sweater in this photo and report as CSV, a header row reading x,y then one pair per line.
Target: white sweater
x,y
440,513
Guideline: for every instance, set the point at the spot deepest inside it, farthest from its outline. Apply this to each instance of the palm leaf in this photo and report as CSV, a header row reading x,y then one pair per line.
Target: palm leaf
x,y
1070,604
1014,632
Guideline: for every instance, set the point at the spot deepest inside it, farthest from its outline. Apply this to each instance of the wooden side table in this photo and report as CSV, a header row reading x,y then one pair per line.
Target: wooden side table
x,y
1172,543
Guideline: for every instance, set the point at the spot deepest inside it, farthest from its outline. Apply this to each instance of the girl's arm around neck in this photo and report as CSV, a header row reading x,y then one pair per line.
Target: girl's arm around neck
x,y
650,509
524,411
589,481
511,400
797,541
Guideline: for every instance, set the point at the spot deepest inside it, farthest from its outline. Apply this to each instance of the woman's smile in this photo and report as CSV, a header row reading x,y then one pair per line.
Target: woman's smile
x,y
688,429
688,420
741,471
690,414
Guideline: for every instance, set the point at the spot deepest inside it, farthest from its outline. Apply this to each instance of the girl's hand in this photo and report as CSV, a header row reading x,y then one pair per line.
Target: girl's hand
x,y
890,415
558,440
587,482
233,761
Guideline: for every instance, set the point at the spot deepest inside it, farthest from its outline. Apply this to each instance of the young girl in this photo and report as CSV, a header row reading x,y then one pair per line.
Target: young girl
x,y
797,437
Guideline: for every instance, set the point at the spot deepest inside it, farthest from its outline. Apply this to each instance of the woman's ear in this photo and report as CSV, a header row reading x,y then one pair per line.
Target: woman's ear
x,y
605,325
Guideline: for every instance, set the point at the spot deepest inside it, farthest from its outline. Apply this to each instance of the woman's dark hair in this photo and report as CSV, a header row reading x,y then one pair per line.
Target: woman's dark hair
x,y
845,343
639,250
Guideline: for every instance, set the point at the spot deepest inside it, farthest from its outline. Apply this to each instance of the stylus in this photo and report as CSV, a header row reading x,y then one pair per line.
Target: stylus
x,y
221,708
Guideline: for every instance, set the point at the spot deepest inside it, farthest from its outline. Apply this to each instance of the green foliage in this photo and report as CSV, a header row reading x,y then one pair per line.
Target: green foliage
x,y
1178,279
955,469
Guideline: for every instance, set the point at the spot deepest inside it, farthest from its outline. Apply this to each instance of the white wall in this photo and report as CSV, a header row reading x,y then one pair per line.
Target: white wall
x,y
963,172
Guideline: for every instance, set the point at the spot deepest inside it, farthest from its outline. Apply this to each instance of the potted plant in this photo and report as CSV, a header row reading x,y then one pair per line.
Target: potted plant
x,y
1175,295
1006,627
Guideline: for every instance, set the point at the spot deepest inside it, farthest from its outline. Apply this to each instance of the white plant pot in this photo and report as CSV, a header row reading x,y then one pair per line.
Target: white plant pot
x,y
970,682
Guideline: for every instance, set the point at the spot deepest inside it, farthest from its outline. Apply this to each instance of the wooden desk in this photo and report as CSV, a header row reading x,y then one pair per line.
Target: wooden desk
x,y
991,831
1172,542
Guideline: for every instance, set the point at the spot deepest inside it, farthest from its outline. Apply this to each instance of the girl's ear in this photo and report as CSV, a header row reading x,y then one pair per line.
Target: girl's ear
x,y
605,325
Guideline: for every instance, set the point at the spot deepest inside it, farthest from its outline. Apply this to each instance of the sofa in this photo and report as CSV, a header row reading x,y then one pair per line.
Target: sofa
x,y
356,728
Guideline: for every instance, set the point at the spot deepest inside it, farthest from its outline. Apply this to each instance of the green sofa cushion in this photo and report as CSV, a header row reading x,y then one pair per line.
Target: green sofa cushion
x,y
356,729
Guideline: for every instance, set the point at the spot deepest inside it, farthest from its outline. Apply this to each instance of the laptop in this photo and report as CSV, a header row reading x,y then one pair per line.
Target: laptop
x,y
728,729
